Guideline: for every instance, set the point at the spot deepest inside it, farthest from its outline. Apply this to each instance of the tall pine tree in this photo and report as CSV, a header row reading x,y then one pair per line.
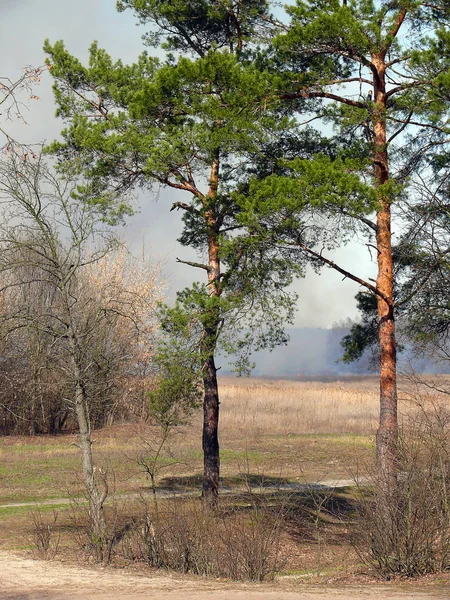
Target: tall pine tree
x,y
378,73
193,124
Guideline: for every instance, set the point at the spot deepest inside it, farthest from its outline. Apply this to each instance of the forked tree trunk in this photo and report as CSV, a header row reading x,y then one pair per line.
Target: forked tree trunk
x,y
387,434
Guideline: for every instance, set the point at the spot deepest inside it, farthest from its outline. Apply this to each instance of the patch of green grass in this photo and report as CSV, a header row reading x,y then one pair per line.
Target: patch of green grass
x,y
30,478
20,496
233,455
314,572
39,449
347,439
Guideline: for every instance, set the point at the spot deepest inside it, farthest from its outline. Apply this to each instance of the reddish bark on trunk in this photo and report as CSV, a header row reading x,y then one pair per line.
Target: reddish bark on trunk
x,y
387,433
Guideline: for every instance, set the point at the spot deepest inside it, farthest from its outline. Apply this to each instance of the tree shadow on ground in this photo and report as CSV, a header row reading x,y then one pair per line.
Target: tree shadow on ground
x,y
303,507
191,482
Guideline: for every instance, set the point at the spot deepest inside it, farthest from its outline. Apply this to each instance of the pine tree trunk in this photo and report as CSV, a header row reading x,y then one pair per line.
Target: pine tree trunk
x,y
387,434
210,440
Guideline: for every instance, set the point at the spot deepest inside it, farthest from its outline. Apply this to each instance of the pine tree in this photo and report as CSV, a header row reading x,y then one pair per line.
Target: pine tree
x,y
378,73
196,124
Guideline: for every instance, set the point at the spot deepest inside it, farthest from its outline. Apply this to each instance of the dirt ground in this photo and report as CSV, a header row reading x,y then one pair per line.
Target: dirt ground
x,y
26,579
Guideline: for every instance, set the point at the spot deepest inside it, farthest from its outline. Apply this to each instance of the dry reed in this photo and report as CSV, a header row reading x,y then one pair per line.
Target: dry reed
x,y
350,405
298,407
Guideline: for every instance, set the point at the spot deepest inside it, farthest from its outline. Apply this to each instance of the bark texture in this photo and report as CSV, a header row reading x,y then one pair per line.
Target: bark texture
x,y
97,521
387,433
210,437
210,440
96,499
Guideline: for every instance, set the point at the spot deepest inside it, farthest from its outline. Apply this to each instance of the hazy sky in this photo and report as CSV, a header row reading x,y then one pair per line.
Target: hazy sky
x,y
24,25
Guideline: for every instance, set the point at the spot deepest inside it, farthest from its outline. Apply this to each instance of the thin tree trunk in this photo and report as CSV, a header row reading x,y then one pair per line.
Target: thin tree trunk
x,y
96,499
387,434
210,437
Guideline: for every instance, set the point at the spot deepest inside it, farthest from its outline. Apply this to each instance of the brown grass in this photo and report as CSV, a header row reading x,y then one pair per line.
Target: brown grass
x,y
262,407
271,432
267,407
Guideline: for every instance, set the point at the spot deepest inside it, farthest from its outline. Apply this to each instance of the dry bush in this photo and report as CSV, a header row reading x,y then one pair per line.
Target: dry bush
x,y
45,541
126,291
409,534
117,525
32,398
186,536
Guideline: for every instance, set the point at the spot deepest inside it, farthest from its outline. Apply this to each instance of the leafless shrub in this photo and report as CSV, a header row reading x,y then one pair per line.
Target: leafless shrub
x,y
45,544
101,548
155,456
409,533
252,546
187,537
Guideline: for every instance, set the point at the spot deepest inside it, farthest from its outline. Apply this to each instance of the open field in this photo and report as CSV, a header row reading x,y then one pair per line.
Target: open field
x,y
278,429
288,408
274,434
292,430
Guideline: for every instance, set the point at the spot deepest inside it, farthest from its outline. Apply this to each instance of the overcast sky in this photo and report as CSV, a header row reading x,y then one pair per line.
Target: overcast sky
x,y
24,25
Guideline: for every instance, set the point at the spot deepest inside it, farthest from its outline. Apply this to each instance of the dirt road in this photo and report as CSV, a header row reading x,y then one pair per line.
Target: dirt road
x,y
25,579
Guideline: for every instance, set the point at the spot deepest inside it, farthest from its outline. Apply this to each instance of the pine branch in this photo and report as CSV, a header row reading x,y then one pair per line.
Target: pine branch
x,y
183,205
344,272
325,95
186,186
398,23
364,220
194,264
406,86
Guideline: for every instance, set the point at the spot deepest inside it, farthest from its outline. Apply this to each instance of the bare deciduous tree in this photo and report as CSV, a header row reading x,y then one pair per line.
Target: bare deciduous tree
x,y
58,273
14,94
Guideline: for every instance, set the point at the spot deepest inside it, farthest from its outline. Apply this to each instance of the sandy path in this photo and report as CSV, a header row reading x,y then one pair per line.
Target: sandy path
x,y
26,579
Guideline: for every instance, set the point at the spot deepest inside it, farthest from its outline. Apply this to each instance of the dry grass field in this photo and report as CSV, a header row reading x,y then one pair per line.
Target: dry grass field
x,y
289,430
269,407
273,433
